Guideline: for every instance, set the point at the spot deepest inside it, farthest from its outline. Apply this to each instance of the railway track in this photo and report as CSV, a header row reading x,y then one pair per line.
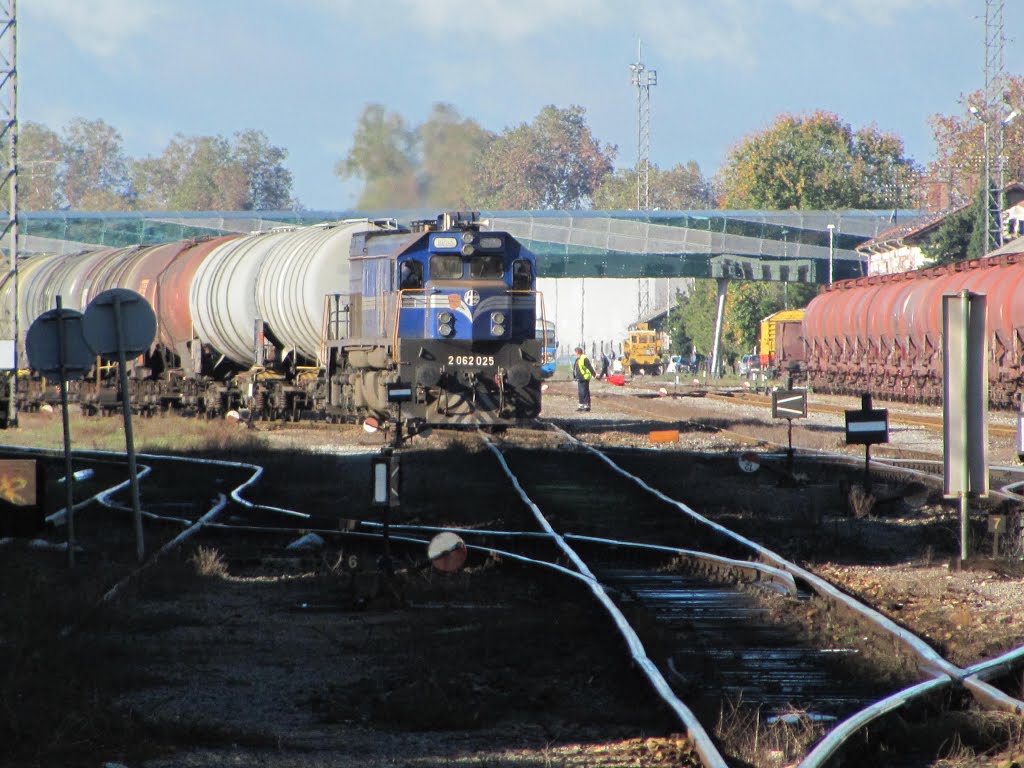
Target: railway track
x,y
689,592
739,655
896,415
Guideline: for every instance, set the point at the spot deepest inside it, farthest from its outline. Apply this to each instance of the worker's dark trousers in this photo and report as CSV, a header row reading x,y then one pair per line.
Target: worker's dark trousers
x,y
583,388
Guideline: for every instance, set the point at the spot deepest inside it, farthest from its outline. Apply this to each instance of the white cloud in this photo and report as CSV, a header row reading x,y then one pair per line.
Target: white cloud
x,y
879,13
696,29
99,27
699,31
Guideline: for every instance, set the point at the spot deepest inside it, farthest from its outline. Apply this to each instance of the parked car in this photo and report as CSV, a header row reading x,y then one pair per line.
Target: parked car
x,y
749,364
680,364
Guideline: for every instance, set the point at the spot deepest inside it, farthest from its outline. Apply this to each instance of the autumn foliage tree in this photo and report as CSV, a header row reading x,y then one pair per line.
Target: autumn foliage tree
x,y
404,166
818,162
957,171
94,172
552,162
85,167
209,173
681,187
41,154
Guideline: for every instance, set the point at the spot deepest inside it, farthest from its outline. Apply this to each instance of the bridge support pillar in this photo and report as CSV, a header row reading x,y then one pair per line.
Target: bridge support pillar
x,y
723,287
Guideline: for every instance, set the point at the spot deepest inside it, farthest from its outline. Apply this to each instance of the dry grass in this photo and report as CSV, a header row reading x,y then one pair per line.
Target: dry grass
x,y
152,435
861,502
765,744
209,562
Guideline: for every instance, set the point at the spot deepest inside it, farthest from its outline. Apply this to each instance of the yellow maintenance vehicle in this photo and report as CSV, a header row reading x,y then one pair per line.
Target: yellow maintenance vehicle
x,y
642,352
781,340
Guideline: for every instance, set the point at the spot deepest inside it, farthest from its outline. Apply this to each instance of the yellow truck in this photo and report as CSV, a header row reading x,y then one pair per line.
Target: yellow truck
x,y
642,352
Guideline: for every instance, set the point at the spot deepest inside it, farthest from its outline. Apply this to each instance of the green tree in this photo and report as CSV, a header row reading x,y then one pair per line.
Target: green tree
x,y
383,155
553,162
40,155
194,173
818,162
94,172
206,173
269,182
958,237
452,150
678,188
746,304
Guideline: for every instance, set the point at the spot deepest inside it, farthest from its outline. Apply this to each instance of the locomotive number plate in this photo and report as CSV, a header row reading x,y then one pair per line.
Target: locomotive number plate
x,y
470,359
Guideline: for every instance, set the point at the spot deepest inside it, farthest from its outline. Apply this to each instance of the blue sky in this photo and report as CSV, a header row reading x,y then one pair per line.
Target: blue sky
x,y
303,70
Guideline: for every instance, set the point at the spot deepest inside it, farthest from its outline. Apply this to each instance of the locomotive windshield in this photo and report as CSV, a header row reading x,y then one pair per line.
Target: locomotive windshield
x,y
449,266
445,266
486,267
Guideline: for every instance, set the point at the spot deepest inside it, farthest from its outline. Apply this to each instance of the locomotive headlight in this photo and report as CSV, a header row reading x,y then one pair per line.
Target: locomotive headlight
x,y
497,318
445,323
468,250
468,237
497,329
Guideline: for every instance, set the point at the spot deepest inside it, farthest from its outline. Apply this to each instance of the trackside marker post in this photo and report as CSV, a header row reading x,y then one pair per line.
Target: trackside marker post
x,y
867,427
789,404
121,322
56,347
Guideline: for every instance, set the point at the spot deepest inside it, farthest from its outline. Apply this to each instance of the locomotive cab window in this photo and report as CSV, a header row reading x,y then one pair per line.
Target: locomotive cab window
x,y
485,267
445,266
522,275
411,274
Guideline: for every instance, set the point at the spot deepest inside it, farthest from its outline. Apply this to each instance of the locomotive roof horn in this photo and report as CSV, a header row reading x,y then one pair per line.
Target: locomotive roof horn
x,y
459,220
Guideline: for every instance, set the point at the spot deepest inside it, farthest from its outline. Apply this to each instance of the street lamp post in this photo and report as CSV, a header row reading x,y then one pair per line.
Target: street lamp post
x,y
831,250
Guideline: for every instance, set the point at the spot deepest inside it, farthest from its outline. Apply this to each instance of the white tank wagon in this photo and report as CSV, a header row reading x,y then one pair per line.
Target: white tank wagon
x,y
266,291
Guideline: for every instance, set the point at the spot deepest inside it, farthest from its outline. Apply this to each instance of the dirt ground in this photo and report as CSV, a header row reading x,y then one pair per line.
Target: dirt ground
x,y
239,656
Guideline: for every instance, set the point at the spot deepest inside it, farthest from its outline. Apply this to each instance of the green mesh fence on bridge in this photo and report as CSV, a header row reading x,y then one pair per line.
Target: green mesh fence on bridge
x,y
753,245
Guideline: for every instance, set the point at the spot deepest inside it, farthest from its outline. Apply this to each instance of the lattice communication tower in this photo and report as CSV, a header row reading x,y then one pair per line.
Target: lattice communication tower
x,y
994,122
643,78
9,179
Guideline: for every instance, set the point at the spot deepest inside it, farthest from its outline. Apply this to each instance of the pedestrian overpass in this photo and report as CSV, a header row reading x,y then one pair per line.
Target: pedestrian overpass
x,y
787,246
782,246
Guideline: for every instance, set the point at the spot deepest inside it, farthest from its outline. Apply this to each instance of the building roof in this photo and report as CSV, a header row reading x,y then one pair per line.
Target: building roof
x,y
907,235
912,234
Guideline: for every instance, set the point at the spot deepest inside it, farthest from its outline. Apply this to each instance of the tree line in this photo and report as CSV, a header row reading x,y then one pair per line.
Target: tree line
x,y
84,167
810,161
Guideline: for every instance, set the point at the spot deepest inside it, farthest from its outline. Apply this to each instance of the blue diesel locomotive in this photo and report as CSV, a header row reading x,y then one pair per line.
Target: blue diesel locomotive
x,y
441,327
